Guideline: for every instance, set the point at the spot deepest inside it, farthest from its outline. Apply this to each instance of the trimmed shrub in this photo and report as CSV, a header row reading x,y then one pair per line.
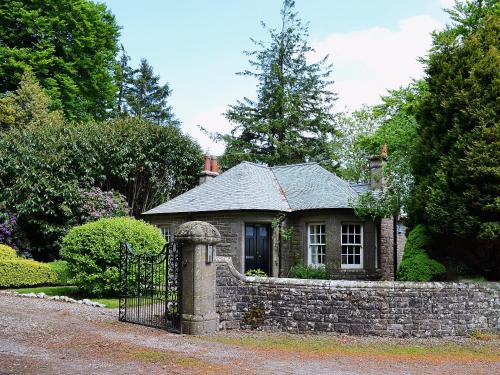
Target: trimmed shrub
x,y
19,272
92,251
60,267
7,252
416,264
301,271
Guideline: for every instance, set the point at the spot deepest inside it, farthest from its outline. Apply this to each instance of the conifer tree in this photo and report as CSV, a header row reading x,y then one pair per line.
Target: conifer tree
x,y
290,121
147,98
457,161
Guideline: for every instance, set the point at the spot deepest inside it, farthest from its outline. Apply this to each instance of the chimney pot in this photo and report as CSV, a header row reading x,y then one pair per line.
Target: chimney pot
x,y
214,166
209,169
207,163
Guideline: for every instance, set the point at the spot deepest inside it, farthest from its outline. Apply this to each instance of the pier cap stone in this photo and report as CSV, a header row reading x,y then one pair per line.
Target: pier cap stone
x,y
197,232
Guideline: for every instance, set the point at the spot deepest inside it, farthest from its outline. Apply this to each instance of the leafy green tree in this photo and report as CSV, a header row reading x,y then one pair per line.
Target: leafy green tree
x,y
30,105
46,168
392,127
291,119
457,160
398,132
147,99
70,45
353,156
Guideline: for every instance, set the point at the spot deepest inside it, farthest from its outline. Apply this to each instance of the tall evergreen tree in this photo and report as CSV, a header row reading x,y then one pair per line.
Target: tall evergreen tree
x,y
147,99
457,161
291,119
70,45
123,77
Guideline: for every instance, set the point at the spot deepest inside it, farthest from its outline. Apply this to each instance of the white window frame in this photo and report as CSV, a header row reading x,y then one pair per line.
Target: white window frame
x,y
167,237
310,245
342,244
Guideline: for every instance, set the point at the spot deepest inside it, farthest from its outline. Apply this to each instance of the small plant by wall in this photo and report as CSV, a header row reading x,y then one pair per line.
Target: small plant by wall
x,y
258,272
277,224
301,271
254,317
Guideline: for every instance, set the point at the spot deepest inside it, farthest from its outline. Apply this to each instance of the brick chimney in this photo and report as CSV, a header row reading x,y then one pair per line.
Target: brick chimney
x,y
210,169
377,163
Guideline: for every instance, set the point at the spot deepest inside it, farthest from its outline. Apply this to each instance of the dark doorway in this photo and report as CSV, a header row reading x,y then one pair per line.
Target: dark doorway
x,y
257,246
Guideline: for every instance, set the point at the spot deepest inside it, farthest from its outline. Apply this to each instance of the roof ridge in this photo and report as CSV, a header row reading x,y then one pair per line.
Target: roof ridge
x,y
293,165
281,191
252,163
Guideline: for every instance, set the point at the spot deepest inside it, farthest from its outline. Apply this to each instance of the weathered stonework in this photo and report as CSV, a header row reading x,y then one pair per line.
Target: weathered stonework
x,y
380,308
387,248
198,298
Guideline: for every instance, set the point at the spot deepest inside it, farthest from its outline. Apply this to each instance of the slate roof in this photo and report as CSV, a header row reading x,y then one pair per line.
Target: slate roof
x,y
250,186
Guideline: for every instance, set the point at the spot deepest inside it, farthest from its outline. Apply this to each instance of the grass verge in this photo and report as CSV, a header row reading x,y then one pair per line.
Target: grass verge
x,y
321,346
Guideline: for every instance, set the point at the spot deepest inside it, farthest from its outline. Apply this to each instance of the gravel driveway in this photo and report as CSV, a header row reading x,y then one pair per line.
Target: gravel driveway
x,y
50,337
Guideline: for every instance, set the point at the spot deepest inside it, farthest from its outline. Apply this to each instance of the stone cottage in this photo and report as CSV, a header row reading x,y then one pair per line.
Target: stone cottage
x,y
271,218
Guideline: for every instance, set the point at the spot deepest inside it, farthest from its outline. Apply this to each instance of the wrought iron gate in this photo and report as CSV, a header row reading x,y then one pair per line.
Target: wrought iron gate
x,y
150,287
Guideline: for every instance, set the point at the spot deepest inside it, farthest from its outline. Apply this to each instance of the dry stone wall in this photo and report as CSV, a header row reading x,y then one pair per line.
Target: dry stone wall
x,y
355,307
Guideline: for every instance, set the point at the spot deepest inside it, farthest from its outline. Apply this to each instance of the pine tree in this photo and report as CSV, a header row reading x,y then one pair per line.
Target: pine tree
x,y
123,77
147,99
291,119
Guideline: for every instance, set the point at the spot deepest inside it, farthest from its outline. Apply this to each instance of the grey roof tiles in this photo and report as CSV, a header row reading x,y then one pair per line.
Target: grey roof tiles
x,y
250,186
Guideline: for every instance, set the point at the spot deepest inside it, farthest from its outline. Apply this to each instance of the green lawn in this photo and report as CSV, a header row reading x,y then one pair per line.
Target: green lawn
x,y
70,291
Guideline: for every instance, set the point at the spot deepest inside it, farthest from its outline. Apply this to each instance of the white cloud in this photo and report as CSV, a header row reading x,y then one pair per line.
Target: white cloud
x,y
447,3
368,62
214,121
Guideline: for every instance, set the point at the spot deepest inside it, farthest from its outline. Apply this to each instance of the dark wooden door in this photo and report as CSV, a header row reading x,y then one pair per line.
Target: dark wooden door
x,y
257,247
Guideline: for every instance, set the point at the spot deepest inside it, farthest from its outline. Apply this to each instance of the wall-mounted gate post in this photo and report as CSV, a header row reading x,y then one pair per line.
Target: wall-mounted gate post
x,y
198,277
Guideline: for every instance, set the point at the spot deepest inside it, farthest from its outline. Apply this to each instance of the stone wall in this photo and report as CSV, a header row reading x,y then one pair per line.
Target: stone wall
x,y
355,307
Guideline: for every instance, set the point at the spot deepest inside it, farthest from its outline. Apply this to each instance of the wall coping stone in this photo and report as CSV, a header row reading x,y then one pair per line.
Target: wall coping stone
x,y
357,284
197,232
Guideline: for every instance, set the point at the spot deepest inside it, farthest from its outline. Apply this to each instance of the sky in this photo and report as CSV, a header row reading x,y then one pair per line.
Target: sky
x,y
197,47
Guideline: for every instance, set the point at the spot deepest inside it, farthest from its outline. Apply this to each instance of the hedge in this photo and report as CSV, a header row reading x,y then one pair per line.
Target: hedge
x,y
92,251
7,252
18,272
60,267
416,264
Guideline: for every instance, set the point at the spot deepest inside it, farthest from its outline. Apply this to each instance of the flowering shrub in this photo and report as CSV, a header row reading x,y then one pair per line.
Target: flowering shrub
x,y
8,229
98,204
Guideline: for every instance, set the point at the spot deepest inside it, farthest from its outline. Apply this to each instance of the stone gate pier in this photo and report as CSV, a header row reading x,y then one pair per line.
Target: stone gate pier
x,y
198,269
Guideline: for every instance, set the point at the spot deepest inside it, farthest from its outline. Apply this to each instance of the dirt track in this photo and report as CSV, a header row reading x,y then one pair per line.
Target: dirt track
x,y
50,337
